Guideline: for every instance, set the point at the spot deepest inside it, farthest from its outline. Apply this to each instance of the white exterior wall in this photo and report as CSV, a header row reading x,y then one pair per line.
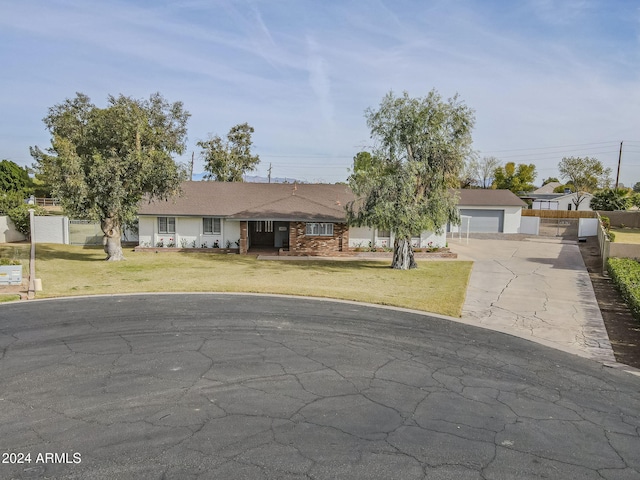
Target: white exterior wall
x,y
188,230
230,232
8,232
362,236
585,204
512,217
146,230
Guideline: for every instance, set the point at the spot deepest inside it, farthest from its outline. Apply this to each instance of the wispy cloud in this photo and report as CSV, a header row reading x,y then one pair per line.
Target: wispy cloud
x,y
537,72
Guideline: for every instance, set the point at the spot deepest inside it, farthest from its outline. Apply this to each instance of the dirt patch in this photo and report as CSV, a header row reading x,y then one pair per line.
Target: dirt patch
x,y
622,328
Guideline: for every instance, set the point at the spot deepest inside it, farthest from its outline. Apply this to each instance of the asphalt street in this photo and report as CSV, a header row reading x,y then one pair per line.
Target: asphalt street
x,y
256,387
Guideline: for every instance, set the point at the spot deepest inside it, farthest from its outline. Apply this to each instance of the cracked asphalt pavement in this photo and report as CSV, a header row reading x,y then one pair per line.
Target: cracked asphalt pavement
x,y
260,387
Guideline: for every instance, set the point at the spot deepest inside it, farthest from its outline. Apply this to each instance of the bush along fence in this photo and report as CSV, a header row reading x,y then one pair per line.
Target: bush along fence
x,y
625,273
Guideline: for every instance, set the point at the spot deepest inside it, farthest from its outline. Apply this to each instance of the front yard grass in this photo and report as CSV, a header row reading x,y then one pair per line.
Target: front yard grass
x,y
626,235
436,286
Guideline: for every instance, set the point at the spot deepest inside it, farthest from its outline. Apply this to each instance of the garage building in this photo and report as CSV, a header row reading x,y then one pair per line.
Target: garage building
x,y
490,211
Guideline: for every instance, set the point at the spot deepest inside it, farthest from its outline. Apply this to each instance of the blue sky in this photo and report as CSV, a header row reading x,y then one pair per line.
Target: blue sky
x,y
546,78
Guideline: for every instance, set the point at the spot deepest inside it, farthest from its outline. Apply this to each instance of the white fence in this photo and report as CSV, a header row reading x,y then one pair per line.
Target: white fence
x,y
59,229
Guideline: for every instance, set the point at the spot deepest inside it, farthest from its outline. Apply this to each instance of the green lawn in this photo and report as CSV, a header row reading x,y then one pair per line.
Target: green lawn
x,y
627,235
437,287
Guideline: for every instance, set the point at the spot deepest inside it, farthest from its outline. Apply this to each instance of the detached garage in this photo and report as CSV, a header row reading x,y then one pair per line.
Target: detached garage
x,y
490,211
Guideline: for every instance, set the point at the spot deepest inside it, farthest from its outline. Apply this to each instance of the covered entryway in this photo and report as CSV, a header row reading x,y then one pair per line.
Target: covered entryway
x,y
484,221
261,234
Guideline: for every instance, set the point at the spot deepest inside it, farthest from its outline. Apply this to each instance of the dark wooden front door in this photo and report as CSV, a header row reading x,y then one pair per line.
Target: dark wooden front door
x,y
261,234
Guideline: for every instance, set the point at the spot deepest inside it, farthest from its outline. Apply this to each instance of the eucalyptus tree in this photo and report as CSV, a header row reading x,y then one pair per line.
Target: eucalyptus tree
x,y
408,184
103,161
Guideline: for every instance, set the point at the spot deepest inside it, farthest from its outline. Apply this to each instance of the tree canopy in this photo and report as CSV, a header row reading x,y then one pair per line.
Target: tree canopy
x,y
228,160
586,174
103,161
14,178
405,184
515,178
611,199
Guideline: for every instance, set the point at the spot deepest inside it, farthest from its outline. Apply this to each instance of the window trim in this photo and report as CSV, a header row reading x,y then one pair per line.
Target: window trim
x,y
214,221
167,227
317,227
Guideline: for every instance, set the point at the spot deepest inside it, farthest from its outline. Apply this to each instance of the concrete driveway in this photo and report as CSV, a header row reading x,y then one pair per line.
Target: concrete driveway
x,y
537,289
257,387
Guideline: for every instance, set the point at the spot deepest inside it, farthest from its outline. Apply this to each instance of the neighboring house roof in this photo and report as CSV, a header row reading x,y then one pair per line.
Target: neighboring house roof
x,y
248,201
572,195
547,189
286,201
480,197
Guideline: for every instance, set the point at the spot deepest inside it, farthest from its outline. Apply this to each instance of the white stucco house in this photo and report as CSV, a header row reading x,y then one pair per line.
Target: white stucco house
x,y
299,219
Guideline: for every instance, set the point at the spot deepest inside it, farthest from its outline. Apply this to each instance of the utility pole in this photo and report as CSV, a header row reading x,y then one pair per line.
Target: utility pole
x,y
191,169
269,172
619,160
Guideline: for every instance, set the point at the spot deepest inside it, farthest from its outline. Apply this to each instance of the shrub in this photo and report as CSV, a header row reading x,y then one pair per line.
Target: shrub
x,y
612,236
20,217
606,223
625,273
6,261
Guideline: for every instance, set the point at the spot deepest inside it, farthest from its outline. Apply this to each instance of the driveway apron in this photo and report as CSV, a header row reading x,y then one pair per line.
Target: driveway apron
x,y
537,289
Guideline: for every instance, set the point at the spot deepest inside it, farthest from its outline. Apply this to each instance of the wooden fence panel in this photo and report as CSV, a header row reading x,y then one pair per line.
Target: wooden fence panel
x,y
558,214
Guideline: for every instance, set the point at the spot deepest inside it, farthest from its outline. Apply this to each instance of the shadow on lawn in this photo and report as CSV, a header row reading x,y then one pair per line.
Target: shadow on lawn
x,y
45,252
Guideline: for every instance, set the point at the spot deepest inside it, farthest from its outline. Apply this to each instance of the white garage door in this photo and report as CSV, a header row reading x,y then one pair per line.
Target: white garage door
x,y
486,221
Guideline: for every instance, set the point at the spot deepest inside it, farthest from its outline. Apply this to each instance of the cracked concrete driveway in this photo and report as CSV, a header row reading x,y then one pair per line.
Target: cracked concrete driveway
x,y
538,289
257,387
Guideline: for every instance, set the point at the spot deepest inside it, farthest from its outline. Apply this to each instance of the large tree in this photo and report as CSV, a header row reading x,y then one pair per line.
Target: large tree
x,y
421,145
586,174
611,199
14,178
515,178
228,160
103,161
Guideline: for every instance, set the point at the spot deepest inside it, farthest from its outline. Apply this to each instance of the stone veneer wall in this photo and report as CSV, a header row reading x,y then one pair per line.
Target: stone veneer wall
x,y
301,244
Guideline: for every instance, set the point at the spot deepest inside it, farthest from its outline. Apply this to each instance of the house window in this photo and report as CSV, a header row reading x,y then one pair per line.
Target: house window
x,y
569,207
320,229
384,233
211,226
166,224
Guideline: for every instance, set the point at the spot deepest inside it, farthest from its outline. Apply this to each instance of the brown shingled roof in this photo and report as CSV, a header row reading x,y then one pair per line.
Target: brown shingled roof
x,y
285,201
248,201
486,197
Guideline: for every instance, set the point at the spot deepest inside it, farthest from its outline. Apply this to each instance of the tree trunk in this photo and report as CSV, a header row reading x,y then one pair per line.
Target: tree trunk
x,y
403,254
111,239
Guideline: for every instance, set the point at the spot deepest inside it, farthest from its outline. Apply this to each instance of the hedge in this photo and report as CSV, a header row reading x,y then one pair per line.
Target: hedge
x,y
625,273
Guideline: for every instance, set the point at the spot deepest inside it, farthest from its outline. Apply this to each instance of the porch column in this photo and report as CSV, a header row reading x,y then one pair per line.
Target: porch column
x,y
243,237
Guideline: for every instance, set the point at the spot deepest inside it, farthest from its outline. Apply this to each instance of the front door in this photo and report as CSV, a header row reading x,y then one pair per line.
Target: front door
x,y
261,234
